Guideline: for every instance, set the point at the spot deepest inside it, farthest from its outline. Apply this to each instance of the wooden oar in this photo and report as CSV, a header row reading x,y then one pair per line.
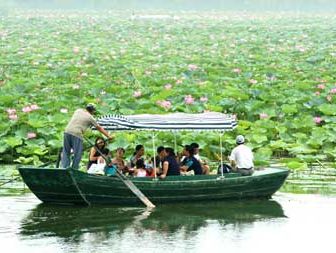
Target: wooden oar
x,y
125,180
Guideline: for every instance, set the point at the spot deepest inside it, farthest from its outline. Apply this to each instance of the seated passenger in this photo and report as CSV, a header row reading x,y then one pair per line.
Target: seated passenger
x,y
205,166
119,161
241,157
170,167
137,155
190,162
140,170
159,158
184,154
99,167
94,154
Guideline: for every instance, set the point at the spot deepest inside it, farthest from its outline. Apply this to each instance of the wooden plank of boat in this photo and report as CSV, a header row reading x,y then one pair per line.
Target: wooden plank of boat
x,y
55,185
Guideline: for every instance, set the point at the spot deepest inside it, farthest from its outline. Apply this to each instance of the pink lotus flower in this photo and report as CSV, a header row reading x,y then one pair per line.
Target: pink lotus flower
x,y
317,93
236,70
31,135
64,110
263,115
179,81
11,111
164,104
75,50
204,99
137,94
192,67
329,98
253,81
321,86
318,120
188,100
301,49
83,74
27,109
12,116
333,91
168,86
34,107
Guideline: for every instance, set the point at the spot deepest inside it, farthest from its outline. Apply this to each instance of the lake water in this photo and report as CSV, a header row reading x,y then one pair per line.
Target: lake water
x,y
286,223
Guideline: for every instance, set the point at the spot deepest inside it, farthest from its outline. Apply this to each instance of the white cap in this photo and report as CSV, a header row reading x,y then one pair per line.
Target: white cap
x,y
240,139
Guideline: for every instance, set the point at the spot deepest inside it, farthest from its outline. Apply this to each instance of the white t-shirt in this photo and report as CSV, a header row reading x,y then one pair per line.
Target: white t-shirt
x,y
197,156
243,156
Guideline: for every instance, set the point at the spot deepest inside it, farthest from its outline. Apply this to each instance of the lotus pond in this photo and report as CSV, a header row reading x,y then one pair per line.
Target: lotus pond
x,y
274,71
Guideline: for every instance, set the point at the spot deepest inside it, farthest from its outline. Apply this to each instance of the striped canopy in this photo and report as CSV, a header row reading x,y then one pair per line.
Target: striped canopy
x,y
170,122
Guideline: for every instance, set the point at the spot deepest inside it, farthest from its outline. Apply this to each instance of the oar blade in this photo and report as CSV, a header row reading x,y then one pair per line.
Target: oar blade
x,y
136,191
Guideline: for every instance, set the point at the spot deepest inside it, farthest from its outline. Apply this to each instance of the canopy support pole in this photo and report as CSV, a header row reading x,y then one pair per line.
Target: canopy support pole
x,y
154,154
221,151
175,144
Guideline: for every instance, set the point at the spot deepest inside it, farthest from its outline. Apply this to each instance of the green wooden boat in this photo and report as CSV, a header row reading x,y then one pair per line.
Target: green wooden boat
x,y
68,186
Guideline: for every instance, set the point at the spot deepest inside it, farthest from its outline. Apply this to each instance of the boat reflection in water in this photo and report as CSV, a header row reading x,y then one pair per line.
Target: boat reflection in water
x,y
108,223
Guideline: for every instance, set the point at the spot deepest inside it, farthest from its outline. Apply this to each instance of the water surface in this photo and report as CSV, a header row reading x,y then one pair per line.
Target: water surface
x,y
287,222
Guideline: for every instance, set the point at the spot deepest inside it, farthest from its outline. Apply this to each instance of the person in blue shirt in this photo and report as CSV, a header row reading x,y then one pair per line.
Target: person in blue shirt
x,y
190,162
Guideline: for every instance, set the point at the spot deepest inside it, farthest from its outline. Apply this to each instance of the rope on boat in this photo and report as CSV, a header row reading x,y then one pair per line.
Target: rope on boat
x,y
78,189
9,181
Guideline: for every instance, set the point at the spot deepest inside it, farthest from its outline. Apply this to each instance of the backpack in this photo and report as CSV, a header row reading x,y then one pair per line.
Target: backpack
x,y
111,170
226,169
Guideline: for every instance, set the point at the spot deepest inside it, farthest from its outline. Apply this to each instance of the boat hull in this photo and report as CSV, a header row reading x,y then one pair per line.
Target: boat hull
x,y
76,187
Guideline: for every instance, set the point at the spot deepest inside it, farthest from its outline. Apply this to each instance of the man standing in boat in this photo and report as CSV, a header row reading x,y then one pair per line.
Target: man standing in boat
x,y
73,135
241,157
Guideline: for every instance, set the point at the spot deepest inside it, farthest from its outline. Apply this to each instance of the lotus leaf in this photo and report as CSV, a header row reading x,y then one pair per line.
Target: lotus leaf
x,y
13,141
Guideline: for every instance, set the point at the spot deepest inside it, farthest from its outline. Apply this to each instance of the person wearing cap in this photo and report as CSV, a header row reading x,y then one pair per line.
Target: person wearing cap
x,y
81,120
241,157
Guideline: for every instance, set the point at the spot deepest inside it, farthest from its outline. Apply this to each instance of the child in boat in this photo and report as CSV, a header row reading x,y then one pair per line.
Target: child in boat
x,y
140,170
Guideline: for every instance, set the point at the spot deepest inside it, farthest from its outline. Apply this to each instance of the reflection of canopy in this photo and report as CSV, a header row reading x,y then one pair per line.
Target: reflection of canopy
x,y
174,121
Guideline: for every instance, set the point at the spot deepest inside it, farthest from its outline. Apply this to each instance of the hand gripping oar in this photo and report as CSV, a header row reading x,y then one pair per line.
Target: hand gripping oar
x,y
125,180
